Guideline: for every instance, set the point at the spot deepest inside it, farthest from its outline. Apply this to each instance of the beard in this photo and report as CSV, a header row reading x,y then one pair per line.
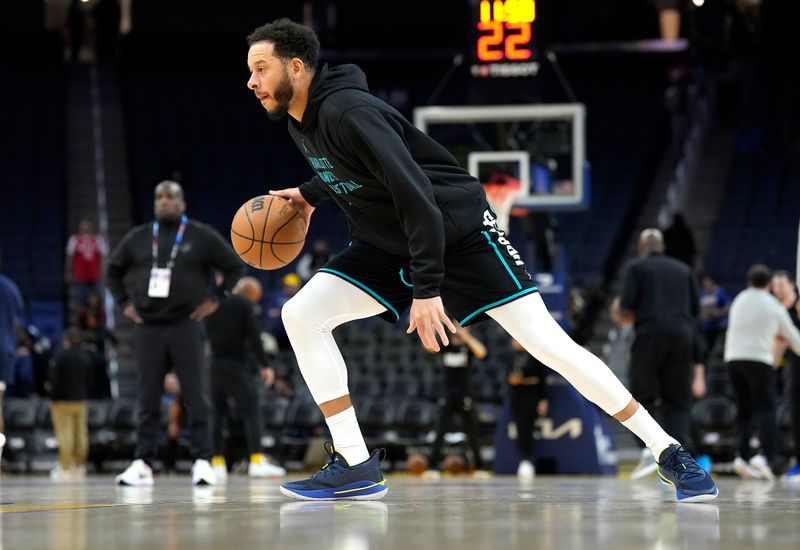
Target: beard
x,y
283,95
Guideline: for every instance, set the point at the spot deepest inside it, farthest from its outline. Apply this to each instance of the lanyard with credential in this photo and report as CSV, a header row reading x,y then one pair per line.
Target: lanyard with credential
x,y
178,239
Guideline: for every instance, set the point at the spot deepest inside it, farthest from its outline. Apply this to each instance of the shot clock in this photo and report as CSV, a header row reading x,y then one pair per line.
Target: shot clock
x,y
504,39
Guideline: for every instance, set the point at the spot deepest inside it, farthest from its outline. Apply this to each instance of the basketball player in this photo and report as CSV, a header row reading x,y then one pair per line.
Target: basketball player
x,y
423,235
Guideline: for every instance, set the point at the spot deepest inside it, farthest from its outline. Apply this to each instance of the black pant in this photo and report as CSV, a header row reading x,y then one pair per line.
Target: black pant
x,y
235,380
523,412
753,385
157,347
661,371
793,364
712,335
462,406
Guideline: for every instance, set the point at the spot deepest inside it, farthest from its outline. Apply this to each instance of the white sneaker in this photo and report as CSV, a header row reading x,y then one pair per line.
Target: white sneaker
x,y
431,474
220,472
526,471
78,473
647,465
265,469
138,474
760,464
202,473
745,470
60,475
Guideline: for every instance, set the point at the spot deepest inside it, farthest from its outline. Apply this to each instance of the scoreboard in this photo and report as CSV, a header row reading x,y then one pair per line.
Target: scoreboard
x,y
504,43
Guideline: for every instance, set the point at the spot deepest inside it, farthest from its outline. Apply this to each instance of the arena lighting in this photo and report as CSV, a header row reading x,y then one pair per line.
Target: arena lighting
x,y
698,3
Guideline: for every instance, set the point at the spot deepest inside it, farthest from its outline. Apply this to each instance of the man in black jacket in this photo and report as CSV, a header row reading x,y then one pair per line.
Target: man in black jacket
x,y
660,293
235,341
159,274
424,235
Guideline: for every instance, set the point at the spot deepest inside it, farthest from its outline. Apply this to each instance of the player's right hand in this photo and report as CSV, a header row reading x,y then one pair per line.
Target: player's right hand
x,y
131,313
296,199
428,318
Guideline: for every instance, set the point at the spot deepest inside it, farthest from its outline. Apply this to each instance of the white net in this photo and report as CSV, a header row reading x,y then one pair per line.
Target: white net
x,y
501,196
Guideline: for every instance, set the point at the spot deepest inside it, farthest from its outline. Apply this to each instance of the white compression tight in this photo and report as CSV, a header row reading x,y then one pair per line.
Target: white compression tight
x,y
327,301
529,323
324,303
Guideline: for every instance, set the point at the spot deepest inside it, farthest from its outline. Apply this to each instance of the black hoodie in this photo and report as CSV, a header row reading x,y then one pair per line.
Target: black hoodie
x,y
401,191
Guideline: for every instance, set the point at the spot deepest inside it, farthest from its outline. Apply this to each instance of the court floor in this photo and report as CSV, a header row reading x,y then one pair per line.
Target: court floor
x,y
560,513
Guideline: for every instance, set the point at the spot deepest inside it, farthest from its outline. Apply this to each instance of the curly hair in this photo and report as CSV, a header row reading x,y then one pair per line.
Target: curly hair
x,y
290,40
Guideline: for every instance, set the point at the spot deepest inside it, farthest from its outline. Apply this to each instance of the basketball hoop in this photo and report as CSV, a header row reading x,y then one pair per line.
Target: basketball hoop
x,y
501,197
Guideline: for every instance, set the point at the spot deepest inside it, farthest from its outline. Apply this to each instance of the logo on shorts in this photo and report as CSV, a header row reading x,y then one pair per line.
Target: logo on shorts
x,y
490,221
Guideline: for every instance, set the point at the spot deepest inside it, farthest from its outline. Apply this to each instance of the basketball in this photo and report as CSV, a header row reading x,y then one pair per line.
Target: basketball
x,y
454,464
416,464
267,232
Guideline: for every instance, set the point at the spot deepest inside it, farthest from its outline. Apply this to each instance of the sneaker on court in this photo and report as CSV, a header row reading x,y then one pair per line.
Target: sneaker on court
x,y
745,470
793,474
760,464
60,475
265,469
220,473
337,480
220,468
525,470
202,473
138,474
431,474
647,465
692,483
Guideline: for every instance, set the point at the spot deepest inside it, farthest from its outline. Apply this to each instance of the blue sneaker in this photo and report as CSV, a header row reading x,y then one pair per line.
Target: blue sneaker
x,y
793,474
337,480
692,483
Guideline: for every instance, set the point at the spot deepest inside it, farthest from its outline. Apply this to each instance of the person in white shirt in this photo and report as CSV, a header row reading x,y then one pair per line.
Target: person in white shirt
x,y
756,318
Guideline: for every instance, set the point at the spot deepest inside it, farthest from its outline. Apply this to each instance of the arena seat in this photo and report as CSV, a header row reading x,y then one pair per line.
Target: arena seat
x,y
414,421
376,417
714,427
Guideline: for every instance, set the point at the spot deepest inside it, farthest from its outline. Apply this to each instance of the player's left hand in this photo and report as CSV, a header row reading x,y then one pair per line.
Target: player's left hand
x,y
427,318
204,309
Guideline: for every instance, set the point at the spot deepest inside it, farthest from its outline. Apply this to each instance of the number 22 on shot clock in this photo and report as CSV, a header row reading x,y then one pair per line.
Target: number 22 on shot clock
x,y
505,30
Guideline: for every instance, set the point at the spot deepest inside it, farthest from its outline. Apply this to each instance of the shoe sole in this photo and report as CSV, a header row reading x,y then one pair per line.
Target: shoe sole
x,y
203,483
648,470
765,474
122,483
377,495
683,498
699,498
747,472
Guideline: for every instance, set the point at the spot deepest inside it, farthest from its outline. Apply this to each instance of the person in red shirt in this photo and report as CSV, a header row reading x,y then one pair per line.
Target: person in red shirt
x,y
85,252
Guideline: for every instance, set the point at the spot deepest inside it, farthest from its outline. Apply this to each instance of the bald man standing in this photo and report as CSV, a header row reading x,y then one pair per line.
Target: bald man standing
x,y
160,276
659,292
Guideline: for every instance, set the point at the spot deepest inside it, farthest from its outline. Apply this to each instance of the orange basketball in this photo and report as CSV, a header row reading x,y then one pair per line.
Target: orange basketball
x,y
454,464
267,232
416,464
